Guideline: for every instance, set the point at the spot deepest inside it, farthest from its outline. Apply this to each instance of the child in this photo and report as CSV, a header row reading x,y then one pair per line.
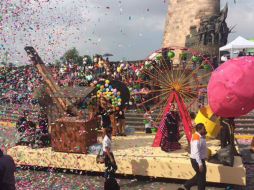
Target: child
x,y
148,120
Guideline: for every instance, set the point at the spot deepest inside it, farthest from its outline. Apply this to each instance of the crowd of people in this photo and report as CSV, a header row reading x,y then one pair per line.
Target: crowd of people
x,y
31,135
17,84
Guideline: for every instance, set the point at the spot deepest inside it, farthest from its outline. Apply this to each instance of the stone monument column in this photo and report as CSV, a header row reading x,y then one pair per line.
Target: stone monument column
x,y
184,20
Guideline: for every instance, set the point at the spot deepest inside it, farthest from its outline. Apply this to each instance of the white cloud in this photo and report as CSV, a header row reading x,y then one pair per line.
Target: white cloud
x,y
126,28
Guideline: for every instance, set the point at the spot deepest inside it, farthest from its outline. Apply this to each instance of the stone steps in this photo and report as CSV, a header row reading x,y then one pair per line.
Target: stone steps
x,y
12,113
250,121
134,119
244,124
244,130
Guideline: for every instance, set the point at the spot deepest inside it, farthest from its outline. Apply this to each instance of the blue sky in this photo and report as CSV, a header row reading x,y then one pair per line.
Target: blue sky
x,y
129,29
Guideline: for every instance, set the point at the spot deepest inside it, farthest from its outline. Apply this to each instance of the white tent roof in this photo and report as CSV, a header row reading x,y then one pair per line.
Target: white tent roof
x,y
238,43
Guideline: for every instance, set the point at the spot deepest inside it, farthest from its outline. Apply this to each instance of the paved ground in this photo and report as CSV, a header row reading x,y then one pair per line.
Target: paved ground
x,y
58,181
50,179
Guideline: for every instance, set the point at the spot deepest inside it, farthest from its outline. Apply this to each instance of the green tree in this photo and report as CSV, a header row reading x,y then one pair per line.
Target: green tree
x,y
57,63
3,63
87,59
73,56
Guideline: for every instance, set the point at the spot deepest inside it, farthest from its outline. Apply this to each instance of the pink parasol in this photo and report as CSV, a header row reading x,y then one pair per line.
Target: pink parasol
x,y
231,88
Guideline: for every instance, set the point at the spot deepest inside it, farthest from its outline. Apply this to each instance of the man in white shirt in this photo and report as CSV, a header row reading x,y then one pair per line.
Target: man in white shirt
x,y
198,156
110,164
106,144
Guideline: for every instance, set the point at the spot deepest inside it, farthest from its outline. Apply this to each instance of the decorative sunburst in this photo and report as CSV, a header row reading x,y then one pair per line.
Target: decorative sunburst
x,y
159,74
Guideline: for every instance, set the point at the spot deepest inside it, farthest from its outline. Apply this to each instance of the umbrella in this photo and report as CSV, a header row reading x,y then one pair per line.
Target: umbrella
x,y
107,55
232,96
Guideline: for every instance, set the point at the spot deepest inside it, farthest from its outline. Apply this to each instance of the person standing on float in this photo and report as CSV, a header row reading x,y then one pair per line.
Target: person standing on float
x,y
110,163
170,131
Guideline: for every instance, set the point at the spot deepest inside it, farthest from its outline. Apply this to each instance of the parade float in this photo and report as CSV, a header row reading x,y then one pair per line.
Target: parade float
x,y
140,154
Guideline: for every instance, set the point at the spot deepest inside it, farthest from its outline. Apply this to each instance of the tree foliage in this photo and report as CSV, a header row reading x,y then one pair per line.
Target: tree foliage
x,y
72,56
88,59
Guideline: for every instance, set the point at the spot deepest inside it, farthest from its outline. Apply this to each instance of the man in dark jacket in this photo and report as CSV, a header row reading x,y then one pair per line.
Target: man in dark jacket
x,y
7,169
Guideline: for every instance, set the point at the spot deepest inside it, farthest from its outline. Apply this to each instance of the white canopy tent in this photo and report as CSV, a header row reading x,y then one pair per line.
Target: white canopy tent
x,y
237,44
